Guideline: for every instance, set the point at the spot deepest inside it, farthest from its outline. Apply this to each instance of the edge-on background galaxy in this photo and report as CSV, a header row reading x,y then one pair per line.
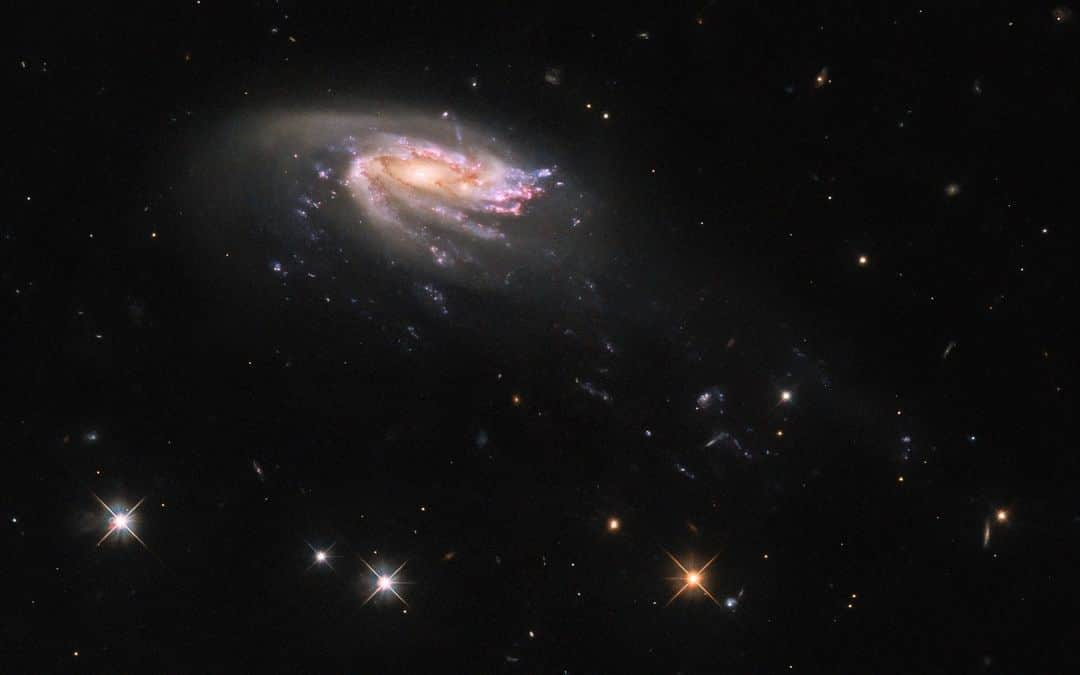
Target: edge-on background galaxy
x,y
427,191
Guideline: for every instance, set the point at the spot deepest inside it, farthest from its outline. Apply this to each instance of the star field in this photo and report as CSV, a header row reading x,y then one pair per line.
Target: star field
x,y
669,338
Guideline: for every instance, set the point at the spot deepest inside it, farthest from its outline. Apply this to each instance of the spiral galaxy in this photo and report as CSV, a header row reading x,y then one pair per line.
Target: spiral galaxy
x,y
410,181
428,191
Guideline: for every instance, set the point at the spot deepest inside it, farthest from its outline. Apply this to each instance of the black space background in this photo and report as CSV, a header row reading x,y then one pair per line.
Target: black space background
x,y
733,236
